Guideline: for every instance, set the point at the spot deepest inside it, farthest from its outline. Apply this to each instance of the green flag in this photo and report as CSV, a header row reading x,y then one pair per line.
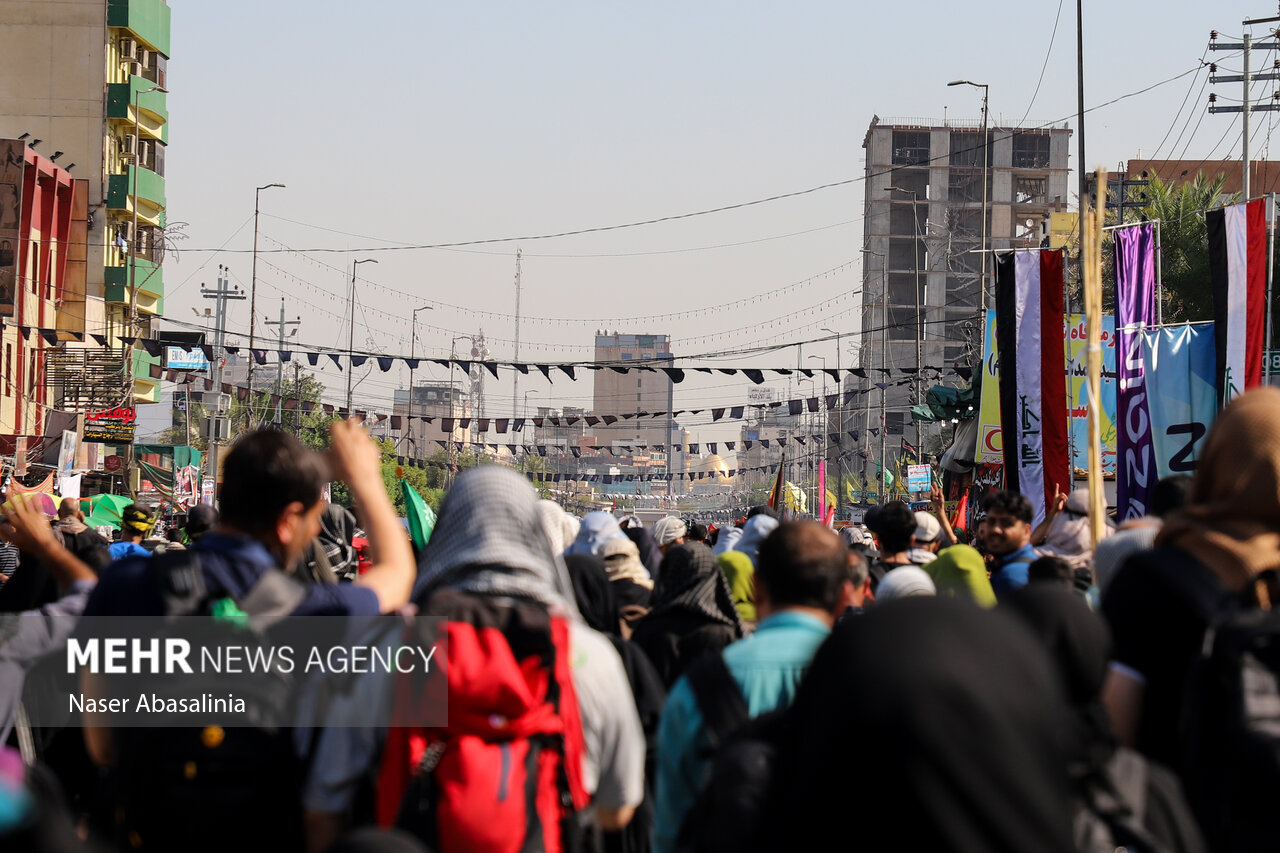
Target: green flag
x,y
887,475
421,519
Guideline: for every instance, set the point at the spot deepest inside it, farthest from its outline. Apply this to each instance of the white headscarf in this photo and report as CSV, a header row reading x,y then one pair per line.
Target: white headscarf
x,y
596,528
668,530
560,527
727,539
489,539
754,532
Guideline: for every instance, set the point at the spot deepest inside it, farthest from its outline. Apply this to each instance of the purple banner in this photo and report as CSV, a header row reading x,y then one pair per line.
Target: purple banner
x,y
1135,310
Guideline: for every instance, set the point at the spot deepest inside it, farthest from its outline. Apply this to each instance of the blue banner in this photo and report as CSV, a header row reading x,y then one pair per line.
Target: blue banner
x,y
1181,372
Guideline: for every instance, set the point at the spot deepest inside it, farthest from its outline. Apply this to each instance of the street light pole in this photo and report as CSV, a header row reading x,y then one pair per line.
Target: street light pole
x,y
253,291
351,333
413,360
840,430
884,333
817,497
986,167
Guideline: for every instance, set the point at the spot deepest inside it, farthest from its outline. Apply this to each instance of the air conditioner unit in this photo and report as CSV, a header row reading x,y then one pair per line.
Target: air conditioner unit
x,y
144,57
130,144
128,49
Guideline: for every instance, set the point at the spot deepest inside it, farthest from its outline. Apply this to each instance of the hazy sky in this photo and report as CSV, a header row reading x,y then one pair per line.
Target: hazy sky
x,y
412,122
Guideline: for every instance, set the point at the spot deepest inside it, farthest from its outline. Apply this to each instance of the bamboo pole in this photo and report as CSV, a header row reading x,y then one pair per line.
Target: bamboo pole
x,y
1092,271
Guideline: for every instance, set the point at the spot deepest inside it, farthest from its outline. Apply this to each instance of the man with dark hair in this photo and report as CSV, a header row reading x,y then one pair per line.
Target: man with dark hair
x,y
804,578
1007,538
763,509
697,533
896,529
136,522
271,507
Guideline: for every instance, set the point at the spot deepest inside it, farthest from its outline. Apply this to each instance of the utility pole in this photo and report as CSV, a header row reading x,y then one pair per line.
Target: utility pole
x,y
297,393
281,323
253,291
351,332
1246,80
1081,166
515,385
218,428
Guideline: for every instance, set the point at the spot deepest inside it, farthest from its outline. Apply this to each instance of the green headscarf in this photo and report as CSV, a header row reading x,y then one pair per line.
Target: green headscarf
x,y
738,570
960,572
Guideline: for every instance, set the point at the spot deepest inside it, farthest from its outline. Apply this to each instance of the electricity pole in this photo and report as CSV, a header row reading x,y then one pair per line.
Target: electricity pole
x,y
282,322
1246,80
218,429
351,333
253,291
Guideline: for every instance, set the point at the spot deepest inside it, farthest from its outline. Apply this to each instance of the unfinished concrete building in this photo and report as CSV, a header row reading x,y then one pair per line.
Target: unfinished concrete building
x,y
924,212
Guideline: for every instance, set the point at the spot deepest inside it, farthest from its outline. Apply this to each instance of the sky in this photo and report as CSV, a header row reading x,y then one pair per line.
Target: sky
x,y
398,122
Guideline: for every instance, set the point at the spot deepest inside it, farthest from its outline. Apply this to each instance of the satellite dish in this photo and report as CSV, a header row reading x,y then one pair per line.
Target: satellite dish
x,y
475,352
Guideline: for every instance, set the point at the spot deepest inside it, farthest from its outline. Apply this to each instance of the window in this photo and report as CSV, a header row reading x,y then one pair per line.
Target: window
x,y
910,147
626,356
638,381
1031,151
964,187
966,149
1030,190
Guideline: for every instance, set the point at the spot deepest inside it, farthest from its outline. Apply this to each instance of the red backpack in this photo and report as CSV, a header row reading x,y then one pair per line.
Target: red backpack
x,y
505,773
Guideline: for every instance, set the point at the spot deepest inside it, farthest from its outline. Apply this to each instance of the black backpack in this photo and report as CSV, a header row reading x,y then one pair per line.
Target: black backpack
x,y
1230,727
742,753
202,788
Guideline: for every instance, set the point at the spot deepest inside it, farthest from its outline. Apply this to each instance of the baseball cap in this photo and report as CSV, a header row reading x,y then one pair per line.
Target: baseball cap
x,y
928,528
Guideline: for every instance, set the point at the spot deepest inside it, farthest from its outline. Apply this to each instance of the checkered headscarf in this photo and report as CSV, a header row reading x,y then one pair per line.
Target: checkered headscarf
x,y
489,539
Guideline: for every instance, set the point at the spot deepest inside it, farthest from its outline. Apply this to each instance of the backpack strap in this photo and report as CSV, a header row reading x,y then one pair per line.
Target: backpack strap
x,y
179,581
271,599
719,698
182,589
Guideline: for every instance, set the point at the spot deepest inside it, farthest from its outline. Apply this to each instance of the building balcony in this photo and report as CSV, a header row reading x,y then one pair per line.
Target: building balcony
x,y
153,107
146,377
150,286
150,194
149,20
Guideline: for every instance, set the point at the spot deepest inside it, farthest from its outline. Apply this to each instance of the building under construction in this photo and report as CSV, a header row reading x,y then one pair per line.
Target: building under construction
x,y
925,207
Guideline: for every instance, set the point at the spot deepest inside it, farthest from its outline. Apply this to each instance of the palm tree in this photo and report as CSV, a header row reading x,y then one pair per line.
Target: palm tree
x,y
1180,207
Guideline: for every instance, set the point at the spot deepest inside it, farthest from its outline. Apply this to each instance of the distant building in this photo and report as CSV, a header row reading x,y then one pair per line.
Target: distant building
x,y
637,392
81,79
436,400
1264,175
933,222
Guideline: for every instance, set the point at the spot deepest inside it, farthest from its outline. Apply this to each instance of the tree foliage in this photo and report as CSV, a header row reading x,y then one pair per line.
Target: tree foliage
x,y
1180,208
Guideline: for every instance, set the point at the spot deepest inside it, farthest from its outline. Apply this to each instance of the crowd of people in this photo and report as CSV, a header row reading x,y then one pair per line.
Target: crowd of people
x,y
768,685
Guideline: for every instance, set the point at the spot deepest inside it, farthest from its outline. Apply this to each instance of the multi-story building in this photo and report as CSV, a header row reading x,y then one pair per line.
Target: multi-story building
x,y
43,219
924,206
436,400
638,391
85,83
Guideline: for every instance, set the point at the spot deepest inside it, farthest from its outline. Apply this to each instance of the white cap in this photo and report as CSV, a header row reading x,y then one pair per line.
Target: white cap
x,y
928,528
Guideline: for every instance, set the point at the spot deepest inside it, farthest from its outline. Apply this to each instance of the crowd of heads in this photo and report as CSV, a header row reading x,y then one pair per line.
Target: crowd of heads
x,y
971,683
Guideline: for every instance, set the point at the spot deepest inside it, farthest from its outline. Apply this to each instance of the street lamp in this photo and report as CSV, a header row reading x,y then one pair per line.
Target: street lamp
x,y
453,354
351,333
839,419
986,165
413,340
884,350
816,500
253,289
